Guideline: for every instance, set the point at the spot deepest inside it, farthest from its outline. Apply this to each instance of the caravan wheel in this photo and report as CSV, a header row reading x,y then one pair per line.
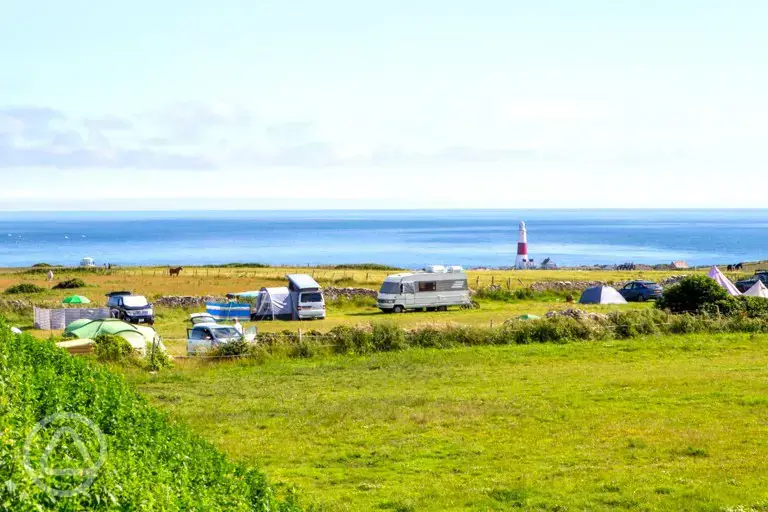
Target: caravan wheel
x,y
398,309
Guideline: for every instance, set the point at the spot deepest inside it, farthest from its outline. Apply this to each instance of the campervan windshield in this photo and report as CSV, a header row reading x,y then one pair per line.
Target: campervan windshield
x,y
390,287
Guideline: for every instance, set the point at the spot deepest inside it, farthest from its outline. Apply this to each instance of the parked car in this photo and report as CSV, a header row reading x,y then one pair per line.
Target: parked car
x,y
130,308
746,284
641,291
201,318
204,337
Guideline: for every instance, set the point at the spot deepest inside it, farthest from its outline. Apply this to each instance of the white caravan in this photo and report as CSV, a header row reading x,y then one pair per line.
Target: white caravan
x,y
435,288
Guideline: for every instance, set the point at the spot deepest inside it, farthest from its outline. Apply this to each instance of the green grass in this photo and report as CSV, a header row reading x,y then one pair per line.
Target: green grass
x,y
674,423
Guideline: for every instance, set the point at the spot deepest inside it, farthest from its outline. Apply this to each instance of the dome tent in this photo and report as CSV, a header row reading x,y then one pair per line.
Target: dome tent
x,y
138,337
601,295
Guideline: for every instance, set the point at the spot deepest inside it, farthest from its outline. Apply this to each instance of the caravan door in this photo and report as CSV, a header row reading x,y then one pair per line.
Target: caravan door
x,y
408,289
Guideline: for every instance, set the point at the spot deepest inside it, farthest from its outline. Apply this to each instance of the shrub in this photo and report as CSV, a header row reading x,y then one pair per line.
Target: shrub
x,y
350,340
156,359
387,337
691,295
69,284
232,348
755,307
43,265
24,288
630,324
153,464
109,348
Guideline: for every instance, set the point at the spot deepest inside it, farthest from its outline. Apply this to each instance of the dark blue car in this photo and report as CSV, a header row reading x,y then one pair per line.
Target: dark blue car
x,y
641,291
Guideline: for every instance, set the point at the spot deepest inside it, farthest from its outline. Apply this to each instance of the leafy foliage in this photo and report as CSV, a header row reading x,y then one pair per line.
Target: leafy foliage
x,y
70,284
152,464
25,288
692,295
109,348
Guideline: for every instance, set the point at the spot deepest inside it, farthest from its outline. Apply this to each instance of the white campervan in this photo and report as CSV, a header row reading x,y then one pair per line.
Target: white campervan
x,y
435,288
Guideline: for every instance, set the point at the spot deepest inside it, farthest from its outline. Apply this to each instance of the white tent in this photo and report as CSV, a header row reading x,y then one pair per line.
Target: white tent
x,y
757,290
723,281
274,303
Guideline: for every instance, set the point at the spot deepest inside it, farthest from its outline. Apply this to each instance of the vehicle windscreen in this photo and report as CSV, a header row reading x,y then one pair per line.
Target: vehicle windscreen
x,y
390,287
224,332
311,297
203,320
135,301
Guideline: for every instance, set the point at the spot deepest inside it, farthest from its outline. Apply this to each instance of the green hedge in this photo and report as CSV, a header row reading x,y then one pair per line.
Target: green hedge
x,y
152,463
385,337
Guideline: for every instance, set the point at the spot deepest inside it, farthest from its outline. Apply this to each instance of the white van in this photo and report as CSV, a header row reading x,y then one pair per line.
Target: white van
x,y
307,297
434,289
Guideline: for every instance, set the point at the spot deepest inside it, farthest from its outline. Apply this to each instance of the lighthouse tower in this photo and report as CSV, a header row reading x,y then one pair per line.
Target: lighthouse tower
x,y
522,260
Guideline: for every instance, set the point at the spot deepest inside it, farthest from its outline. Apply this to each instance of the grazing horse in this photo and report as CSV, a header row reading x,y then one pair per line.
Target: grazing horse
x,y
738,266
175,271
730,268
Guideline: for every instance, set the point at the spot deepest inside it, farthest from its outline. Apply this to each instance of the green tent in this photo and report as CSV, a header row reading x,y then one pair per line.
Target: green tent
x,y
528,316
138,337
76,299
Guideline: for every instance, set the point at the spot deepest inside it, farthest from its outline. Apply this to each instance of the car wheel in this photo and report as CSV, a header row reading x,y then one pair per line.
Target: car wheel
x,y
641,298
398,309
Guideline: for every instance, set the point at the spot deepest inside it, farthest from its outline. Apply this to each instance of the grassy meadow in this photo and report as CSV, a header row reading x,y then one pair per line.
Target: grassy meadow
x,y
658,423
197,281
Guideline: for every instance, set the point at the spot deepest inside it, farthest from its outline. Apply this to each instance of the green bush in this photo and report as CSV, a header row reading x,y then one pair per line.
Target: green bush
x,y
109,348
692,295
387,337
24,288
630,324
70,284
152,464
232,348
353,340
156,359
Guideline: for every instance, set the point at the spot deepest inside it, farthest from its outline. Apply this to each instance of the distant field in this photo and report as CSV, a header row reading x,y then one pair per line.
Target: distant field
x,y
651,424
172,323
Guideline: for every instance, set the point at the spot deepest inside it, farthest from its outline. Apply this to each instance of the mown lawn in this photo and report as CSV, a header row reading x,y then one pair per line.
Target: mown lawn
x,y
675,423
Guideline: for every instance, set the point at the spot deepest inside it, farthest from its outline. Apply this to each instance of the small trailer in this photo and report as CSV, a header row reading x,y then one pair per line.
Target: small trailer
x,y
434,289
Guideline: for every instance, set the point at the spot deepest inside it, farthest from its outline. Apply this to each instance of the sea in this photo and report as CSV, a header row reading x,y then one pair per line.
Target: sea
x,y
402,238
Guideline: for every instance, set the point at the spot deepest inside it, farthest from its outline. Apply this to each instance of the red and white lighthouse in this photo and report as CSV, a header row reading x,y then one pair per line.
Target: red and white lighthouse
x,y
522,260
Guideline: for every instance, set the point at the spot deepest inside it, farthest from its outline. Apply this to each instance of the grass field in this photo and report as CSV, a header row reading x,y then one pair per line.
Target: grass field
x,y
650,424
172,323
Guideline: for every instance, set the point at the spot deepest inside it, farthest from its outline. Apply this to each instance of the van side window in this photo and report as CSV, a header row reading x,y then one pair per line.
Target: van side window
x,y
427,286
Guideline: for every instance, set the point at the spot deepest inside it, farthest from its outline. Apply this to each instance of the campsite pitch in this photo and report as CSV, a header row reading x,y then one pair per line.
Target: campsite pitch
x,y
673,423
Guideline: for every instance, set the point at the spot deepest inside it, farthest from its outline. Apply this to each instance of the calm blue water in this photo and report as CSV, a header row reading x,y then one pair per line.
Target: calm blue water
x,y
404,238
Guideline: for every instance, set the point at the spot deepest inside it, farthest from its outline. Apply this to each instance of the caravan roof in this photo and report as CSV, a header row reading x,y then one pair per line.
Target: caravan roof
x,y
303,282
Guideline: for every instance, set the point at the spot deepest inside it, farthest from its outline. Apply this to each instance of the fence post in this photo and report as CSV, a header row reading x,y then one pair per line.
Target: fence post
x,y
366,276
477,282
300,336
509,283
491,323
492,280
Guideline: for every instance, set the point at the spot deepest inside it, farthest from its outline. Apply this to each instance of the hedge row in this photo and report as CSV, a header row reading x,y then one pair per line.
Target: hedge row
x,y
151,463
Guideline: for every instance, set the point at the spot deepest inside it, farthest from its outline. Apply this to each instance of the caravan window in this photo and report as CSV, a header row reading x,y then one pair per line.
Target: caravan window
x,y
390,287
429,286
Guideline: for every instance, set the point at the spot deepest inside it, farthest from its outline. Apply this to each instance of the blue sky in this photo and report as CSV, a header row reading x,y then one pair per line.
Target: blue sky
x,y
421,103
